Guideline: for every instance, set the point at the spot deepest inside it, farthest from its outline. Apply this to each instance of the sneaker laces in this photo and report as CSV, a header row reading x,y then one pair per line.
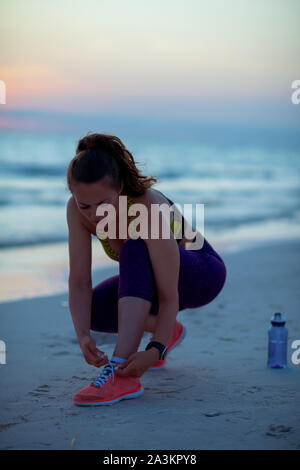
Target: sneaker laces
x,y
106,373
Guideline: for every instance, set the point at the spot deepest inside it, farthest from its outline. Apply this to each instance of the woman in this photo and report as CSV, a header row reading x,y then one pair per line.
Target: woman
x,y
158,277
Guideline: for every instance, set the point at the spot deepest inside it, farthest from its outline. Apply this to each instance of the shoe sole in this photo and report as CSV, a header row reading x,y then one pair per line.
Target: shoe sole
x,y
170,349
124,397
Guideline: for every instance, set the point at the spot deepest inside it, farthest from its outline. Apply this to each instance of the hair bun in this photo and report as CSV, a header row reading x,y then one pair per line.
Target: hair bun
x,y
89,142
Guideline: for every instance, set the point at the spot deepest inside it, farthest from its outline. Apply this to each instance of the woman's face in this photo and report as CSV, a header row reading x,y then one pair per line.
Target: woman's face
x,y
90,196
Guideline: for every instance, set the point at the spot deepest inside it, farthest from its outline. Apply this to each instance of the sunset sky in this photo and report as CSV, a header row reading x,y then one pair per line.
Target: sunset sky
x,y
214,60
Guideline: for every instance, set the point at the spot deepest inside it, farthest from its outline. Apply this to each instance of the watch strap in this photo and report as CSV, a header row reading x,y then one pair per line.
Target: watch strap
x,y
161,347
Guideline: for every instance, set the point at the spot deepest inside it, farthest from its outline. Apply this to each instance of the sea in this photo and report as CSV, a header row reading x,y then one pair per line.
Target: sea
x,y
250,192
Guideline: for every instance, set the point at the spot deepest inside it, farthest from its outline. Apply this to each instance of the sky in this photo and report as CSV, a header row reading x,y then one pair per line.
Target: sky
x,y
215,61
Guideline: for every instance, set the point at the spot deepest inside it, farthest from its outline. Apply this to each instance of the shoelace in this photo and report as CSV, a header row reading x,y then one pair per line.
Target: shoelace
x,y
108,370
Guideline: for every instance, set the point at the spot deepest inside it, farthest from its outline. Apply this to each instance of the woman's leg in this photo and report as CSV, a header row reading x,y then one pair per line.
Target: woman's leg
x,y
104,308
135,295
131,298
202,276
125,299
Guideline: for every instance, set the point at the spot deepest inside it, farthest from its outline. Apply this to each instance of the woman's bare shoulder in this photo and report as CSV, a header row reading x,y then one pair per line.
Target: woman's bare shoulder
x,y
73,214
150,196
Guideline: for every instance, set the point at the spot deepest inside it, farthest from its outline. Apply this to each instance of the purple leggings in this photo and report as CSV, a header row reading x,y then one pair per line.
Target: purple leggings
x,y
202,276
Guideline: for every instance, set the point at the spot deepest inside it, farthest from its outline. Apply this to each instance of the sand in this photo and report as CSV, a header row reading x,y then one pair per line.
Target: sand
x,y
215,391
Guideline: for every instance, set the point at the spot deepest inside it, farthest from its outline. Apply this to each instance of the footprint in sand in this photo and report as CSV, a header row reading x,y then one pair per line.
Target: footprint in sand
x,y
40,390
278,430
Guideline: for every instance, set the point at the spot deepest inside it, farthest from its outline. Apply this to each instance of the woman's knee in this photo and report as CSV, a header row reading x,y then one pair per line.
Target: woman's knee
x,y
104,306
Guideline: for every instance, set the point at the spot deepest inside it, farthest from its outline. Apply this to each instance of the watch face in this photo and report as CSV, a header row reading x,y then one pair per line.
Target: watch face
x,y
163,354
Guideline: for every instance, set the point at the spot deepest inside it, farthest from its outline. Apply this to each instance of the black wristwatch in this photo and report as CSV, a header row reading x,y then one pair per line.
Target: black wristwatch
x,y
161,347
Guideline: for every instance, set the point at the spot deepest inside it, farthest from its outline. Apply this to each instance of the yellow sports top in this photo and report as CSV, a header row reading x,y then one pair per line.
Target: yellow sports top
x,y
111,253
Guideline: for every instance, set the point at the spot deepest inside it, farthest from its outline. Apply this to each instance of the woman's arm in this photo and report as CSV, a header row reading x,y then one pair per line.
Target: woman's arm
x,y
166,319
80,284
80,277
80,297
165,260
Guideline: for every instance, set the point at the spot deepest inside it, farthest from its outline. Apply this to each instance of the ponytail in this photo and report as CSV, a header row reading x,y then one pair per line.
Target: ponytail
x,y
101,155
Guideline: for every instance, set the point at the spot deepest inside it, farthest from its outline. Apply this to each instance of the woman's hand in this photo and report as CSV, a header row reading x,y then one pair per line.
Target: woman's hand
x,y
137,364
91,353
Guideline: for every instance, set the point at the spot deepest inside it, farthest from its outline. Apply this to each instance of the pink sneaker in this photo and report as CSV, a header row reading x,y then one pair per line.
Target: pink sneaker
x,y
109,388
178,333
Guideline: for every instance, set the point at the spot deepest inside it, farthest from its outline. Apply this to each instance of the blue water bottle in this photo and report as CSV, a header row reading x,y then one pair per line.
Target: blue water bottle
x,y
277,342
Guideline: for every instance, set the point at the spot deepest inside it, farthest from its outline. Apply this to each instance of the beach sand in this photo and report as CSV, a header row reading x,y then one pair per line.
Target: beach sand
x,y
215,391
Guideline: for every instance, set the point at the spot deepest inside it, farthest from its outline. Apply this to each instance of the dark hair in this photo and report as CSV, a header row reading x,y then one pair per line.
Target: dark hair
x,y
100,155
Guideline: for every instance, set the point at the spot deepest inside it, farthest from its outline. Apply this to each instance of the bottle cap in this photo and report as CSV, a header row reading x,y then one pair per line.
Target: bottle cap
x,y
278,319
